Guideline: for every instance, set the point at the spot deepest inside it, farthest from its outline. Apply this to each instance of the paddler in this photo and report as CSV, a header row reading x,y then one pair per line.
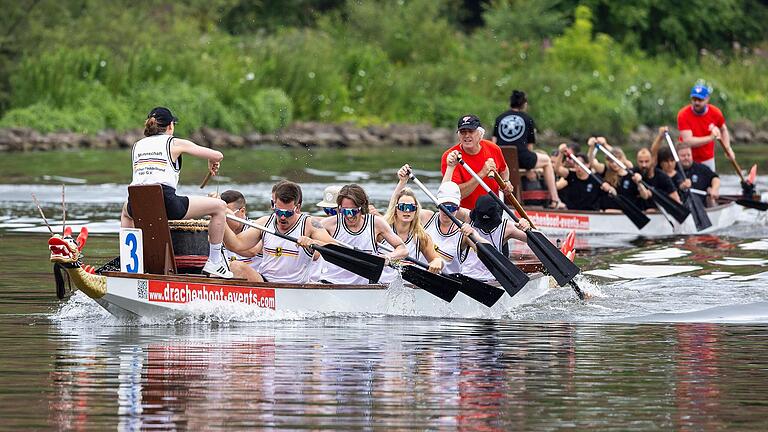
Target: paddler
x,y
490,227
700,123
157,160
481,155
284,261
355,226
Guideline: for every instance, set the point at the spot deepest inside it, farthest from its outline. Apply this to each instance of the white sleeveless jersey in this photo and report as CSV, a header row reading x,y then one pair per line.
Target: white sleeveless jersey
x,y
152,162
255,261
448,246
414,251
471,265
284,260
365,240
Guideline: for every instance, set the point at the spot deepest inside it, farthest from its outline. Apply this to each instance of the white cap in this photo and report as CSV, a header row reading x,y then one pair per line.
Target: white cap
x,y
329,196
449,193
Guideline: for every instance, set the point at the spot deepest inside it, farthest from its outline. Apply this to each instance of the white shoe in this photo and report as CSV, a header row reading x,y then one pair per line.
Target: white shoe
x,y
217,269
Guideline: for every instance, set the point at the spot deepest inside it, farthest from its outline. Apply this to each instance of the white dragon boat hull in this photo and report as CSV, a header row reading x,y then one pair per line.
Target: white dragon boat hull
x,y
145,295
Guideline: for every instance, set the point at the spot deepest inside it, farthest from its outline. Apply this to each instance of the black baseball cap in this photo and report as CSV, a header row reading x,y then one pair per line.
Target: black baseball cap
x,y
163,116
469,121
487,213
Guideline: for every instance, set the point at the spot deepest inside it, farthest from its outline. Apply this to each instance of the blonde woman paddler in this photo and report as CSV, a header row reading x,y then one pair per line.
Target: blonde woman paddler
x,y
404,216
157,160
354,225
445,235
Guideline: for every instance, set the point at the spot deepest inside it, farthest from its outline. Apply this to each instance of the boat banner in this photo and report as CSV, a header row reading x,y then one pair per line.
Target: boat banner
x,y
185,292
559,220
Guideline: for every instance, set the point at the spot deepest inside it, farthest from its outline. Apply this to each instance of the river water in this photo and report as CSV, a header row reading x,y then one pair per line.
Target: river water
x,y
675,335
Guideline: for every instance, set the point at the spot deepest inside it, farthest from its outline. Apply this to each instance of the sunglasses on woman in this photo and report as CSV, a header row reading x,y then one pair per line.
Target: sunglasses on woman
x,y
349,212
284,213
451,207
330,211
406,207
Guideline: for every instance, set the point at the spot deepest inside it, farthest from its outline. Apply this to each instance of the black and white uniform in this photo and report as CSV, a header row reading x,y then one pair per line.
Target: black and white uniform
x,y
448,246
255,261
152,164
517,128
284,260
470,263
364,240
414,251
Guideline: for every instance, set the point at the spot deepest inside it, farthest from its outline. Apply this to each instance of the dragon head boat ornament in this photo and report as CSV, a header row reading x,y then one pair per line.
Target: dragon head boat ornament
x,y
66,253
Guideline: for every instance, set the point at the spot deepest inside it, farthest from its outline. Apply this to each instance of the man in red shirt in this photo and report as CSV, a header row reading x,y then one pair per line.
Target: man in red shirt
x,y
699,124
481,155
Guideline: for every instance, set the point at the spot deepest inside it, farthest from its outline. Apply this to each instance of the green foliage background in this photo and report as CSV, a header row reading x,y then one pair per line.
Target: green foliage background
x,y
589,66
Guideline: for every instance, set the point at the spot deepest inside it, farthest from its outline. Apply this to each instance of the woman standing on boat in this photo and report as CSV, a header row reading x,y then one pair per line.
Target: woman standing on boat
x,y
356,227
157,160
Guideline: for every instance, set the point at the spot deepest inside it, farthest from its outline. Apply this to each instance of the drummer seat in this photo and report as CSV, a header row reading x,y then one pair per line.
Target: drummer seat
x,y
148,209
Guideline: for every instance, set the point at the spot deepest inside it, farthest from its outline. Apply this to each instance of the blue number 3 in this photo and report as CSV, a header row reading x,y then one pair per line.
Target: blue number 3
x,y
130,240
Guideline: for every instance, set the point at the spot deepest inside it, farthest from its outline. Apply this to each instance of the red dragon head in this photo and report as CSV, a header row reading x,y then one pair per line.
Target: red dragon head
x,y
65,249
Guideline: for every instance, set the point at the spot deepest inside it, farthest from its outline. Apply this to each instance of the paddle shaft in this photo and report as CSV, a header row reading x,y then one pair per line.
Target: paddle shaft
x,y
592,175
674,154
503,185
205,180
733,160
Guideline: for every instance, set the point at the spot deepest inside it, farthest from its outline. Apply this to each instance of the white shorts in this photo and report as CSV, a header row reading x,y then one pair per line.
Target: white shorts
x,y
710,163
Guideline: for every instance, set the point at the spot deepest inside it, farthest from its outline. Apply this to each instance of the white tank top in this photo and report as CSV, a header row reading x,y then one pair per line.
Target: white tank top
x,y
447,246
284,260
471,265
255,261
364,240
414,251
152,162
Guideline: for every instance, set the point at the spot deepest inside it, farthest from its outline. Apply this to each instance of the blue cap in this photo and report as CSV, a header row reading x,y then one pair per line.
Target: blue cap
x,y
700,92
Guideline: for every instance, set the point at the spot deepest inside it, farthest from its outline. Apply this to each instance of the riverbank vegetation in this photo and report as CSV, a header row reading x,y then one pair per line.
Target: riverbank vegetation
x,y
589,66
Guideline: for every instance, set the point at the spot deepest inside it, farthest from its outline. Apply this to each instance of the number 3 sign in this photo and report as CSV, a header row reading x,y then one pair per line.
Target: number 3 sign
x,y
131,250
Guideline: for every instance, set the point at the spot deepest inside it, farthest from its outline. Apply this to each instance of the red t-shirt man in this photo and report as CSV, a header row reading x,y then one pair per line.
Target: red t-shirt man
x,y
488,150
688,119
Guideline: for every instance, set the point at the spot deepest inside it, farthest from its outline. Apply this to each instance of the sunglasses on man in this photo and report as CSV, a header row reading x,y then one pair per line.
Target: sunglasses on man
x,y
280,213
349,212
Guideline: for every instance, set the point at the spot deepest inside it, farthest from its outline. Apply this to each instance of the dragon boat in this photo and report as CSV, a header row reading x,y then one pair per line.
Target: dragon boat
x,y
162,290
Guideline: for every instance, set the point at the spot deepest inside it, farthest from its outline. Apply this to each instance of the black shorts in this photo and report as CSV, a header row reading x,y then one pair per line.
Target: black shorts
x,y
175,206
527,159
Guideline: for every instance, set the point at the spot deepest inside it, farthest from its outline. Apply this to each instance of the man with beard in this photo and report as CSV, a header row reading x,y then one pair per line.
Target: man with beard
x,y
700,123
699,176
655,177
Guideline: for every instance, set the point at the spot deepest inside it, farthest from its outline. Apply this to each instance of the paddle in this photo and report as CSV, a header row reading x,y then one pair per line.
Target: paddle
x,y
358,262
436,284
472,288
675,209
744,202
629,209
506,273
557,264
695,205
747,187
205,180
503,185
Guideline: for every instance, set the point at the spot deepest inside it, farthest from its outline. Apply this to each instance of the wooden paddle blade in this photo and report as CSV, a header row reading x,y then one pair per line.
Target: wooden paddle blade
x,y
557,264
358,262
436,284
696,207
757,205
673,208
478,290
506,273
632,211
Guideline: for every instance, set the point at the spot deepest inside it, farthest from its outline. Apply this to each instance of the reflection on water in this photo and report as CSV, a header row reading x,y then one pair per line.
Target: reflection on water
x,y
395,373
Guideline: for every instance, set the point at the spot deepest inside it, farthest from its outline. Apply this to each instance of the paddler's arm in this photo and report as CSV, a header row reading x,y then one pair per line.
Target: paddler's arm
x,y
402,180
517,232
214,157
318,233
469,186
451,161
384,231
467,232
245,240
436,262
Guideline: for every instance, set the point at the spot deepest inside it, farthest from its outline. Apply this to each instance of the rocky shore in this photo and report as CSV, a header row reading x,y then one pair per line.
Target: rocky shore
x,y
322,135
